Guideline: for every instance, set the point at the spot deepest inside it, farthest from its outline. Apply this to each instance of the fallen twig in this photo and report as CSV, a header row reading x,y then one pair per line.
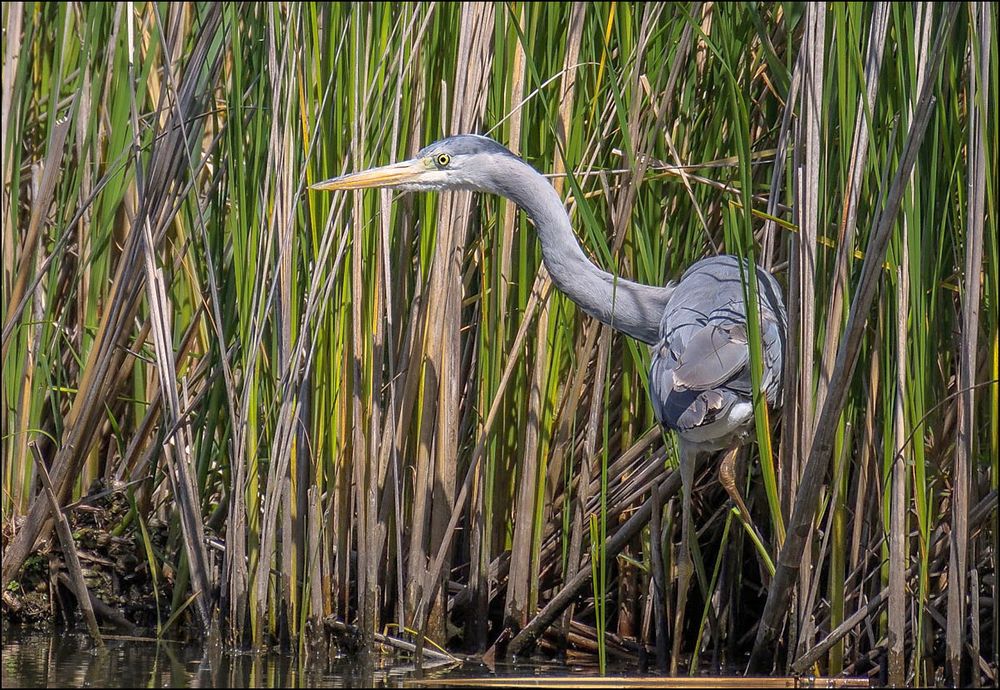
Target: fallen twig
x,y
339,626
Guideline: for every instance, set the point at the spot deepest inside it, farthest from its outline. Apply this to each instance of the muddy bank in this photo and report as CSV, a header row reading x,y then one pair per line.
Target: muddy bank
x,y
114,551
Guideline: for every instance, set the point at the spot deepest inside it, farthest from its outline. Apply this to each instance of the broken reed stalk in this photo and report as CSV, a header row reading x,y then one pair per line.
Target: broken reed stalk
x,y
813,475
177,445
69,552
962,484
807,203
899,547
522,588
432,580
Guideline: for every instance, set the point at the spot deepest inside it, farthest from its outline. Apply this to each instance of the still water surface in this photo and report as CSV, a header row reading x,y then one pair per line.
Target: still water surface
x,y
32,659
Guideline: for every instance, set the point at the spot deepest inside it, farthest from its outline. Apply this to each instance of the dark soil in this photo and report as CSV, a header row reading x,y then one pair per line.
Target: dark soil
x,y
113,557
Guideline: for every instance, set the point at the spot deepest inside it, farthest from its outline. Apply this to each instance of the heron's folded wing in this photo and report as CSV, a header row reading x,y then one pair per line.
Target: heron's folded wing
x,y
712,356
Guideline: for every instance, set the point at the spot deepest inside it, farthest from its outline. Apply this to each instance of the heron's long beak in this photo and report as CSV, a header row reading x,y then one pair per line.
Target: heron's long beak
x,y
385,176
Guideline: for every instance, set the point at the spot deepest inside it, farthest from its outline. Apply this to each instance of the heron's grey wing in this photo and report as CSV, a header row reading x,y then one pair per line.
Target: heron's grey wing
x,y
700,380
713,356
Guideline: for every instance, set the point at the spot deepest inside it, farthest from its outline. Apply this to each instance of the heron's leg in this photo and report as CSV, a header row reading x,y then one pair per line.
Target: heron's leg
x,y
727,477
685,567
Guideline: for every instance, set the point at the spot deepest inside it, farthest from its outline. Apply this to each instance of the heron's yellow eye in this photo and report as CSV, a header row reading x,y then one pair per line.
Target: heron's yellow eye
x,y
443,160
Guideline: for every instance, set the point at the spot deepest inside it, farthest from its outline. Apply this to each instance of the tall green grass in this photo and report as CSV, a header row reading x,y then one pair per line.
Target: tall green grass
x,y
379,403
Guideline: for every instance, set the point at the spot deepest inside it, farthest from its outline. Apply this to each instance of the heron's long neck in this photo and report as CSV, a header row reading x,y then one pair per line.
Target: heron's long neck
x,y
633,308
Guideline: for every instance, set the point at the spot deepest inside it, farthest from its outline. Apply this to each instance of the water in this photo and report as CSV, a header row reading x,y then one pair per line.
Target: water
x,y
33,659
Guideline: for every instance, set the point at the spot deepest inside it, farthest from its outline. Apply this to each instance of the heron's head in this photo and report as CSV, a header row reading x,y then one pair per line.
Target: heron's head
x,y
465,161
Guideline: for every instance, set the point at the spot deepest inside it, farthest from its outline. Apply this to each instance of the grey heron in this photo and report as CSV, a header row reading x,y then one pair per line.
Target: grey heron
x,y
700,381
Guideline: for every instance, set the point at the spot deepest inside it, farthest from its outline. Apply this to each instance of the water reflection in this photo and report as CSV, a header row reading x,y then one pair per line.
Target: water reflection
x,y
32,659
